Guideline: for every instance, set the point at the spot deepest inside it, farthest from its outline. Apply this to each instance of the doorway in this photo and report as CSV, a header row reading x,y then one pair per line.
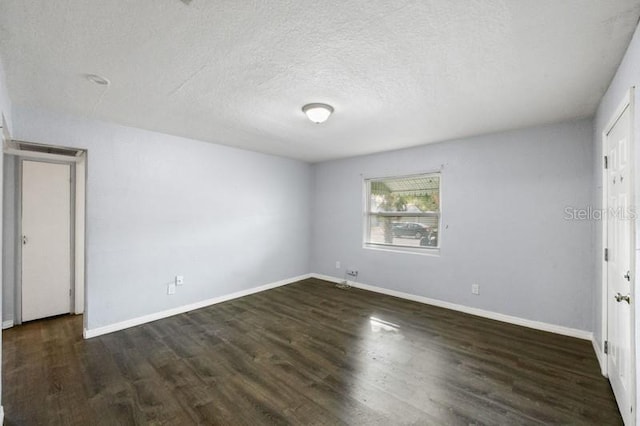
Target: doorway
x,y
48,247
619,267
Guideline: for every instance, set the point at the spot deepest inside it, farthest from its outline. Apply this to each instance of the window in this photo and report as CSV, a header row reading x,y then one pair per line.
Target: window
x,y
403,212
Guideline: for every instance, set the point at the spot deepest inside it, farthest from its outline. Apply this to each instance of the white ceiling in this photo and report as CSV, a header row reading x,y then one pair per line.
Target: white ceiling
x,y
398,73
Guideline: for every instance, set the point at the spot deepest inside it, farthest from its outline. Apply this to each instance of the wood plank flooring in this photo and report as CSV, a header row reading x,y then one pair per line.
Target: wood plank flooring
x,y
306,353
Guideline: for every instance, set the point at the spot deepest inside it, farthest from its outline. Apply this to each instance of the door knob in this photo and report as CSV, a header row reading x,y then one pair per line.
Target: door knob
x,y
627,276
620,298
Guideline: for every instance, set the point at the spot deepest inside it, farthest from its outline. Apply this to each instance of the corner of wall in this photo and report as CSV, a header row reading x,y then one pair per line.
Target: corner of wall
x,y
6,110
311,202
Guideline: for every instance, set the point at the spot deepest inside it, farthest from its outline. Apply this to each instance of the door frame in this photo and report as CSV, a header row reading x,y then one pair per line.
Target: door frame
x,y
78,169
627,102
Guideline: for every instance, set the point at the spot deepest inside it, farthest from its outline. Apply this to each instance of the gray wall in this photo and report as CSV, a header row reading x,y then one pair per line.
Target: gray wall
x,y
5,101
159,205
503,207
628,75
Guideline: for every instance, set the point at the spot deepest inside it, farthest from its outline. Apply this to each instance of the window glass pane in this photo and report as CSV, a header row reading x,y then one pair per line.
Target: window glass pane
x,y
412,194
404,211
401,232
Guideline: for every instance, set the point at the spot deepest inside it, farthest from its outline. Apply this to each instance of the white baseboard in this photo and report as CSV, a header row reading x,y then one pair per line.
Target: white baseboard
x,y
558,329
601,357
99,331
538,325
7,324
1,415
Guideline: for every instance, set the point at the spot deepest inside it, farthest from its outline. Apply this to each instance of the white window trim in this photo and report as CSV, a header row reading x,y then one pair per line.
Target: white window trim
x,y
419,250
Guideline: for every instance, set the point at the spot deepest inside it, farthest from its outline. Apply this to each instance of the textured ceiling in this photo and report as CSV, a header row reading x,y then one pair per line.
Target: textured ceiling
x,y
398,73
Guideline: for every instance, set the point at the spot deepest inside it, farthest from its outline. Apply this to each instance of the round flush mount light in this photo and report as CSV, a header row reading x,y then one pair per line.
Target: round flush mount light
x,y
98,79
318,113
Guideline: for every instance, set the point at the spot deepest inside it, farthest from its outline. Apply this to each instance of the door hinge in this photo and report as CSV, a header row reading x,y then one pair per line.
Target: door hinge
x,y
606,255
606,346
606,162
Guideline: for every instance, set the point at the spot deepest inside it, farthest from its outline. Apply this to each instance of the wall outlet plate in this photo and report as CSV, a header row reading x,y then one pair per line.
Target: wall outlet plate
x,y
171,289
337,264
475,288
179,280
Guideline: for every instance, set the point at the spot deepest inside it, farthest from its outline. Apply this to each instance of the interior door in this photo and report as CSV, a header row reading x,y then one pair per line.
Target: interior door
x,y
46,239
619,280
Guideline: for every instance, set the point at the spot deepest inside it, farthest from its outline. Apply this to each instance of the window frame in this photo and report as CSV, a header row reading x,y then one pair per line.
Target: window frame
x,y
366,207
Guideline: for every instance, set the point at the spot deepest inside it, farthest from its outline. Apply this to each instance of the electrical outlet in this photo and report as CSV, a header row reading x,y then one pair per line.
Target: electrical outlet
x,y
475,288
179,280
171,289
352,272
337,264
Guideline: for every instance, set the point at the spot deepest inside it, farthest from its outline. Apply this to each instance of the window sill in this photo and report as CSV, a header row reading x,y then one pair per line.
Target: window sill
x,y
434,252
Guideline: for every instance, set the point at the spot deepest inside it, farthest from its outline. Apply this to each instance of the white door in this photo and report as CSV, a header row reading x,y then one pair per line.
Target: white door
x,y
46,239
619,243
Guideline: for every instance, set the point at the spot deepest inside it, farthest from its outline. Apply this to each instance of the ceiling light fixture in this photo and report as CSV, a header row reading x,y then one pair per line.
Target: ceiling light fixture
x,y
318,113
98,79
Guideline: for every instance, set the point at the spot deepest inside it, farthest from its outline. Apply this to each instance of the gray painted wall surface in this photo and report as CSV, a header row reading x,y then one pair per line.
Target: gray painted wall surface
x,y
628,75
503,210
159,206
5,100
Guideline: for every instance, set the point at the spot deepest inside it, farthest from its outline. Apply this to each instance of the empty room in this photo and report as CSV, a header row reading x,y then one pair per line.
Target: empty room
x,y
319,213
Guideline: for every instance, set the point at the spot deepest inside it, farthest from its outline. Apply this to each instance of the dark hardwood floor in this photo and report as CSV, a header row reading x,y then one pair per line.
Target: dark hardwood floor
x,y
306,353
